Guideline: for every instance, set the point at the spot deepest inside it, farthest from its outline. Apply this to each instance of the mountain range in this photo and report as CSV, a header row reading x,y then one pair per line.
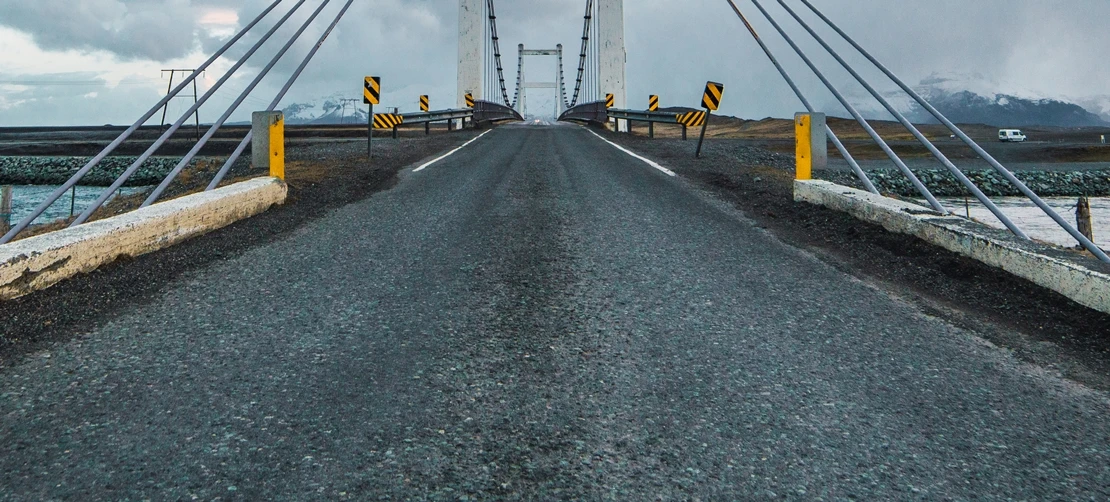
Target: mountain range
x,y
974,100
963,98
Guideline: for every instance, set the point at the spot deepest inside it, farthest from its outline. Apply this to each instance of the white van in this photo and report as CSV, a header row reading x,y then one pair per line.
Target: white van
x,y
1011,135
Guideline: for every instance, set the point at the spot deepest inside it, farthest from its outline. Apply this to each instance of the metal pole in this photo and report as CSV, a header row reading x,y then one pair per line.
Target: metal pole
x,y
195,96
169,88
370,133
936,205
73,180
73,201
805,102
959,175
651,130
683,132
704,126
394,132
1090,246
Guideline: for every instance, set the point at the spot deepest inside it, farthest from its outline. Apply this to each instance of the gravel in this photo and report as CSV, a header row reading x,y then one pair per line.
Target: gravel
x,y
57,170
942,184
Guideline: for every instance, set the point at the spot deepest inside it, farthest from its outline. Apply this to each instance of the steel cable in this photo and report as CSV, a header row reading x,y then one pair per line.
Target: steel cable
x,y
855,113
1040,203
277,100
87,213
231,109
81,173
959,175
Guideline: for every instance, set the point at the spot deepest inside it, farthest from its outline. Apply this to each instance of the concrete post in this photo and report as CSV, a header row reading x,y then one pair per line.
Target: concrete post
x,y
471,56
612,56
812,150
268,142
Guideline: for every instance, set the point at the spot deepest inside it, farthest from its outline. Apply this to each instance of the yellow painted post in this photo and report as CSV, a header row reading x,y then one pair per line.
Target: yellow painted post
x,y
812,150
277,146
804,146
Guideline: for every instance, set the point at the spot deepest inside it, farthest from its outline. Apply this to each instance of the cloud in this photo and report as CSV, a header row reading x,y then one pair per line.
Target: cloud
x,y
674,46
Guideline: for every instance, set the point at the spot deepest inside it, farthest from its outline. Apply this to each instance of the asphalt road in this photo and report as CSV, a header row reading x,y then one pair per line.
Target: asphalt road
x,y
540,316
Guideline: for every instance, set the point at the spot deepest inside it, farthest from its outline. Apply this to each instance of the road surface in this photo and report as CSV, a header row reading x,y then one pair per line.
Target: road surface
x,y
539,316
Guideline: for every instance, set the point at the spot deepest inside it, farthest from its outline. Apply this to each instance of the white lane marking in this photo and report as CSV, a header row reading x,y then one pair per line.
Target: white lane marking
x,y
647,161
452,152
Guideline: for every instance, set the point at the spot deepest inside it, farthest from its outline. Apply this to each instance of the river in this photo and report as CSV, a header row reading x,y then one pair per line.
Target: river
x,y
1035,222
25,198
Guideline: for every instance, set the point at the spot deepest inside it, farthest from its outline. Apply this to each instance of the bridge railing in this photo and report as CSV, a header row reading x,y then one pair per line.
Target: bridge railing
x,y
594,112
487,111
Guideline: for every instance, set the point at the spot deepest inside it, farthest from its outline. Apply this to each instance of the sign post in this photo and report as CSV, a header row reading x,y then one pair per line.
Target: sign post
x,y
711,101
371,95
425,107
610,101
653,106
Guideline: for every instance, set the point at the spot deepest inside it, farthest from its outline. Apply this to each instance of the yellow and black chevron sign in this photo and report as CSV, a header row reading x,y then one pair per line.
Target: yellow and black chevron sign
x,y
469,100
691,119
387,120
610,101
424,104
653,103
713,93
372,91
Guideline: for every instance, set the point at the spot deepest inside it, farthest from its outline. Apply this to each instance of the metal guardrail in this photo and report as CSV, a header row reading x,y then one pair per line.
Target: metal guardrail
x,y
437,116
487,111
643,116
587,112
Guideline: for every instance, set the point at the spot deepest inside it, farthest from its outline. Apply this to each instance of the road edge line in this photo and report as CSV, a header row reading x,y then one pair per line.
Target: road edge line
x,y
452,152
645,160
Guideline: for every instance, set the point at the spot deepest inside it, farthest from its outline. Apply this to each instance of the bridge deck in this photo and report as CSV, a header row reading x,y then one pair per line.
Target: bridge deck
x,y
542,316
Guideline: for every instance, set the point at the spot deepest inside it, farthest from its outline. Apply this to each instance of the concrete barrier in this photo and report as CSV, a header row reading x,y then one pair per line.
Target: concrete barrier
x,y
1044,265
39,262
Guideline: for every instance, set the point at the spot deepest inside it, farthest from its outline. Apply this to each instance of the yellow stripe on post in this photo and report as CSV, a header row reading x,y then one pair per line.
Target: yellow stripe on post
x,y
277,147
811,141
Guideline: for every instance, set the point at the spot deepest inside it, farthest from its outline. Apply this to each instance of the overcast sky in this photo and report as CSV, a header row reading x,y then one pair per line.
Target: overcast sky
x,y
99,61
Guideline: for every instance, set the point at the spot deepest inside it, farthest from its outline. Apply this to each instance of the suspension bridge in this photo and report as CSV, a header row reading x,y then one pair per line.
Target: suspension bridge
x,y
508,310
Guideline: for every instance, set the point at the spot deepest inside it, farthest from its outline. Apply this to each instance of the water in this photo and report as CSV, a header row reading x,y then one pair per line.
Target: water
x,y
25,198
1035,222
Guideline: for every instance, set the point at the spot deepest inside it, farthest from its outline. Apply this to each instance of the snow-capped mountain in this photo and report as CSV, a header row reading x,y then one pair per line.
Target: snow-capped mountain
x,y
335,109
975,99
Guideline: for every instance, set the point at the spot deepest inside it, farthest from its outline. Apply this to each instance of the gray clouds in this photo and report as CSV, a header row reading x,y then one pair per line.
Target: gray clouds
x,y
674,46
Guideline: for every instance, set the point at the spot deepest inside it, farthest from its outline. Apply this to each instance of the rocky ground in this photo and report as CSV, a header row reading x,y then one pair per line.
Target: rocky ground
x,y
942,184
57,170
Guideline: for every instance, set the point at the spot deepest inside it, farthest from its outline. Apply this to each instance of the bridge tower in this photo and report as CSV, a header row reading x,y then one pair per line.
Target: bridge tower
x,y
472,23
612,55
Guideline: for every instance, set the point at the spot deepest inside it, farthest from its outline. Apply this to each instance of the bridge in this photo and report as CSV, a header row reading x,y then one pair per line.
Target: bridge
x,y
500,309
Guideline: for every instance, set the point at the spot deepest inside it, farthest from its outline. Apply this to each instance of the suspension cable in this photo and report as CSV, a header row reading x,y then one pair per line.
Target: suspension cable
x,y
497,52
172,175
88,212
586,24
80,174
1006,173
918,185
277,100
